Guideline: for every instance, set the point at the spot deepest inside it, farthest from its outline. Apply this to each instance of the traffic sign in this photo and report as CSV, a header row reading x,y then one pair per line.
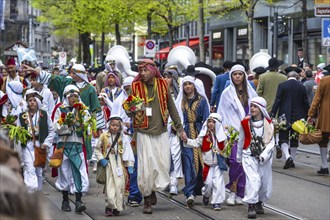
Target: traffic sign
x,y
326,32
150,48
62,58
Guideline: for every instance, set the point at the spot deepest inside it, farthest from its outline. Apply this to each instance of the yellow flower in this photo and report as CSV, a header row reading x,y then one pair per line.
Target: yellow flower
x,y
126,106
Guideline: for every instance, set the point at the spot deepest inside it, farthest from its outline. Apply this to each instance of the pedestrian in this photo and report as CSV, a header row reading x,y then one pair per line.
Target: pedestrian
x,y
255,154
292,102
152,145
319,73
219,85
310,85
71,139
114,152
301,61
319,109
233,107
211,141
40,126
193,108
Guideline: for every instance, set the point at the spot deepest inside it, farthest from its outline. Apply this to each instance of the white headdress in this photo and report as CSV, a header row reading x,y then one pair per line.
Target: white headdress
x,y
219,130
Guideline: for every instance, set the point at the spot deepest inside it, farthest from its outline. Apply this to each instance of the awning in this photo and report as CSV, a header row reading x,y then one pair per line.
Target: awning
x,y
163,53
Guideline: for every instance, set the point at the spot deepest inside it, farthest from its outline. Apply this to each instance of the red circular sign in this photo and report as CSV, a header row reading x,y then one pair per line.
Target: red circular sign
x,y
150,45
62,54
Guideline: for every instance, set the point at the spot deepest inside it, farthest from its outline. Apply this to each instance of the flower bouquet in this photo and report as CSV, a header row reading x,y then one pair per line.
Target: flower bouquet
x,y
308,134
17,133
232,135
280,124
133,104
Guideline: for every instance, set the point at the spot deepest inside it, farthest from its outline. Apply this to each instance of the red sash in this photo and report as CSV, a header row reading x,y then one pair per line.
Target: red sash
x,y
140,119
247,132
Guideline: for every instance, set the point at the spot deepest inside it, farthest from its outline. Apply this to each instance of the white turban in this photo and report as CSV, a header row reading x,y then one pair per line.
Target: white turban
x,y
68,90
128,81
80,70
321,66
261,103
219,130
44,77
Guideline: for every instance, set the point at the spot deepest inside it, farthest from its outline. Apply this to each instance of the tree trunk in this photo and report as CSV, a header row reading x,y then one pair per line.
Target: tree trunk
x,y
86,41
149,24
102,47
118,38
170,35
200,26
304,31
250,15
79,49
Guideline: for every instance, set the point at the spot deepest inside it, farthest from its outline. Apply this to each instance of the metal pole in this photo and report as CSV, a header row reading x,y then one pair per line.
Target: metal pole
x,y
275,34
210,48
187,34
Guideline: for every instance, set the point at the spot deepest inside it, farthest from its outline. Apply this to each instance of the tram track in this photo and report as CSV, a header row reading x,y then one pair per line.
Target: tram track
x,y
206,216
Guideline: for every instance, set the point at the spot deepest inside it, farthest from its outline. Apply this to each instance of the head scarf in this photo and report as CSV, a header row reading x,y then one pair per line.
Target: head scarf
x,y
128,81
199,88
14,92
262,104
230,107
116,117
219,130
44,77
68,90
80,70
175,77
110,59
32,93
106,83
149,65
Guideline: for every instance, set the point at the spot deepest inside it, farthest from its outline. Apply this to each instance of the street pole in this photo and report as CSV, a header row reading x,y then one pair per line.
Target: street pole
x,y
187,33
275,34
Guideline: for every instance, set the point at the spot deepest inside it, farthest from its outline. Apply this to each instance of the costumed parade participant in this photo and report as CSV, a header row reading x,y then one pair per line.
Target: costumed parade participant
x,y
40,126
112,86
193,109
15,103
114,152
211,141
255,151
12,75
233,107
67,122
150,125
171,75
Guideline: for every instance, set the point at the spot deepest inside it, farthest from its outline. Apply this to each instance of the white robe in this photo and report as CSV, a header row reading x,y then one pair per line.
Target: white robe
x,y
33,175
153,162
258,174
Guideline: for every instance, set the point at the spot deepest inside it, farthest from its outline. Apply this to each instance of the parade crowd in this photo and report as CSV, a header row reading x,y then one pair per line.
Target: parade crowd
x,y
93,118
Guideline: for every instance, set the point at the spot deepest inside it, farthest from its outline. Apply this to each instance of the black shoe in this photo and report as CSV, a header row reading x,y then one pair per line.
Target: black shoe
x,y
153,198
323,171
292,165
278,152
252,211
115,212
206,200
259,208
288,163
80,206
66,206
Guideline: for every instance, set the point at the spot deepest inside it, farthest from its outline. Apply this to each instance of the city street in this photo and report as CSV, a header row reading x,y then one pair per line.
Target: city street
x,y
298,193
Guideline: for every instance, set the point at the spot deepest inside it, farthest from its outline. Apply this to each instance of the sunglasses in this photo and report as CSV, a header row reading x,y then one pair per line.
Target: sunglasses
x,y
111,61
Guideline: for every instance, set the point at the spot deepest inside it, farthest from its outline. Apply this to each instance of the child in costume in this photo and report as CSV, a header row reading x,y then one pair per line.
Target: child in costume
x,y
40,126
71,138
211,140
255,151
116,145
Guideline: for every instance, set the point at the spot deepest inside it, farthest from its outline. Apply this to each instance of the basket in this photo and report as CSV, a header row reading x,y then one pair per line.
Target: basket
x,y
311,138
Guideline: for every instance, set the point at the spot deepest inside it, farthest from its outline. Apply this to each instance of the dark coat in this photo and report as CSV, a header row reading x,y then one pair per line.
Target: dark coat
x,y
291,100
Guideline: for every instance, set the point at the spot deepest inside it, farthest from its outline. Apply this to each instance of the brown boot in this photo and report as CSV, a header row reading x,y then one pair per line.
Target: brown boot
x,y
147,205
153,198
